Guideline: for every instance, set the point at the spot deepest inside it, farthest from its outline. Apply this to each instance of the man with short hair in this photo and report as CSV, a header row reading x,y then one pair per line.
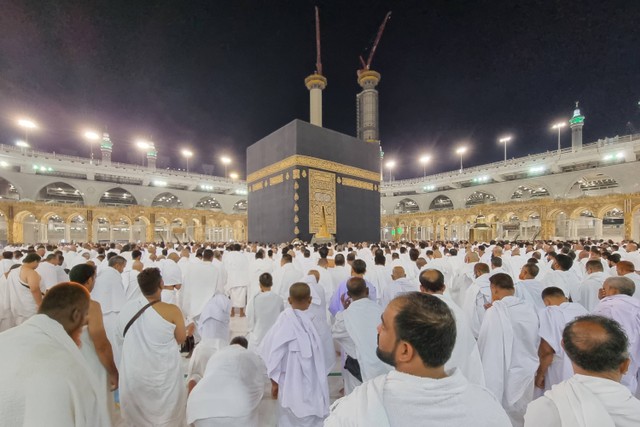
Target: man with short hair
x,y
171,276
237,268
465,355
25,289
200,284
477,297
358,269
528,288
617,303
586,294
152,390
263,311
45,380
555,366
417,336
298,362
50,272
626,269
562,276
355,330
285,276
508,345
597,347
108,291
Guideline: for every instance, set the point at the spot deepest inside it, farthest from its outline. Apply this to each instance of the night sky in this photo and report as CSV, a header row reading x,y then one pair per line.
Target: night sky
x,y
216,76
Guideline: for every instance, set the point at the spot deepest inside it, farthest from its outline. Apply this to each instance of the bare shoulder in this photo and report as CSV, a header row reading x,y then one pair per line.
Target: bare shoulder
x,y
168,311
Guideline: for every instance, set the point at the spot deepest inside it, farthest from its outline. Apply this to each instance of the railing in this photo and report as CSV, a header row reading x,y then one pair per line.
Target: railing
x,y
116,165
594,146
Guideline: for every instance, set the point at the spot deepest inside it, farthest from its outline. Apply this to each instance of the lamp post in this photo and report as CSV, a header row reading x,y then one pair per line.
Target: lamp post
x,y
424,160
91,136
559,126
390,165
187,155
226,161
504,141
27,125
460,151
143,146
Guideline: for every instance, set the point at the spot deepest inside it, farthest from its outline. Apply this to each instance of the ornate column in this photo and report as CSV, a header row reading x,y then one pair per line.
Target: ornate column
x,y
89,225
10,226
628,219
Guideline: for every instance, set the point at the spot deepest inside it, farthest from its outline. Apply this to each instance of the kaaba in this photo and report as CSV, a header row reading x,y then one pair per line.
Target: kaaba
x,y
304,181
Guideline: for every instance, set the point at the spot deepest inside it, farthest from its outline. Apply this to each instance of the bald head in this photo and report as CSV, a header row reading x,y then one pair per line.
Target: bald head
x,y
596,344
432,281
397,273
173,256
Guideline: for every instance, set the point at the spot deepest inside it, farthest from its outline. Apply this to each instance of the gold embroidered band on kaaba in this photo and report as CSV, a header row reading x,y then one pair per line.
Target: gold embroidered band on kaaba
x,y
313,162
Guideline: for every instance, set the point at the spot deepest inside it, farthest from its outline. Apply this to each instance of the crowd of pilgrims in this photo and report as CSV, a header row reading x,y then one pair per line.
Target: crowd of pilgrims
x,y
418,333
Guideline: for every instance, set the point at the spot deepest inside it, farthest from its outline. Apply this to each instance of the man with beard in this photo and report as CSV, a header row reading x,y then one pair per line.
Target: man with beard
x,y
416,336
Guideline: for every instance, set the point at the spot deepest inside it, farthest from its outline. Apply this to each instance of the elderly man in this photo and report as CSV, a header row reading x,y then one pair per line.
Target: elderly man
x,y
45,380
465,355
508,345
400,284
417,336
597,347
528,288
355,331
555,366
617,303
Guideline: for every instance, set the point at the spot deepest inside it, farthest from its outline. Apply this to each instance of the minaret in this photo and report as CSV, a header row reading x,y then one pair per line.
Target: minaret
x,y
152,156
576,123
367,100
106,147
367,105
316,82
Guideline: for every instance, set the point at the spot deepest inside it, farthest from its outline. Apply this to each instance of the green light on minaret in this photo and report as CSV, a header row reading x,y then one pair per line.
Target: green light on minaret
x,y
577,118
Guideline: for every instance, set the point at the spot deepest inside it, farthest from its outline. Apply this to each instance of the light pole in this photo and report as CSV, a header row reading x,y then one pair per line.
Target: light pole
x,y
504,141
226,161
143,146
91,136
461,151
27,125
390,165
424,160
187,155
559,126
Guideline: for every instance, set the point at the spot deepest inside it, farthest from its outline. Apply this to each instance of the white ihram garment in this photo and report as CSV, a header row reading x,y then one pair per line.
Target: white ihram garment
x,y
262,312
213,322
508,345
200,283
21,301
584,401
152,388
109,292
478,294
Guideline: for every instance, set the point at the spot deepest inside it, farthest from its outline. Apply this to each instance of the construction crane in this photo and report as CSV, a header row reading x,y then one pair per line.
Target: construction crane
x,y
367,65
318,61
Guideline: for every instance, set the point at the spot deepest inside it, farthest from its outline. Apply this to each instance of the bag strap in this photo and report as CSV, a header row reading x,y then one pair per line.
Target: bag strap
x,y
137,315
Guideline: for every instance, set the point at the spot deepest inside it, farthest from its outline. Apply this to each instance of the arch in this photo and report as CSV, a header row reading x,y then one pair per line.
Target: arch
x,y
78,227
8,191
117,196
592,184
531,191
406,205
479,198
441,203
602,212
240,206
209,203
60,192
582,212
167,200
